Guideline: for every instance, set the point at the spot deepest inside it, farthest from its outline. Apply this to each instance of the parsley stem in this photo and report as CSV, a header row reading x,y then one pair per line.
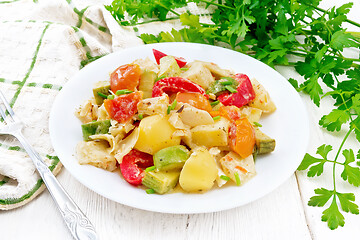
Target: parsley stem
x,y
305,51
153,20
170,10
217,4
353,126
352,22
166,19
337,80
304,21
331,161
288,64
309,52
324,11
337,155
352,59
298,53
252,52
341,145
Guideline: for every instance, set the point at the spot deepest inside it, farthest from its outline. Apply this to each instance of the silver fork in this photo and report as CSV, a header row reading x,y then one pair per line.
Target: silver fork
x,y
79,225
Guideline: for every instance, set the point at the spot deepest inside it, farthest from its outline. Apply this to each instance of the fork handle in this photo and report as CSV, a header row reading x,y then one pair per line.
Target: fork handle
x,y
79,225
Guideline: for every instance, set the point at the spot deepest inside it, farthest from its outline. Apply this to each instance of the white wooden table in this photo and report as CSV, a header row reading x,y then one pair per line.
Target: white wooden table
x,y
283,214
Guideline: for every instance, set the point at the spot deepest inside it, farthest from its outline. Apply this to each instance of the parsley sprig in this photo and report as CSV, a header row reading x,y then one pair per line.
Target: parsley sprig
x,y
297,34
351,174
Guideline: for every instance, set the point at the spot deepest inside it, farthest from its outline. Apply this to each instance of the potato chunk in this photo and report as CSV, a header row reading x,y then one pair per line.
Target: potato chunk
x,y
155,134
211,135
199,171
262,100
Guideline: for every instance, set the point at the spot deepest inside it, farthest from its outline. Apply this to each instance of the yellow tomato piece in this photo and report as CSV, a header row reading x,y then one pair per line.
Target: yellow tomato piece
x,y
242,137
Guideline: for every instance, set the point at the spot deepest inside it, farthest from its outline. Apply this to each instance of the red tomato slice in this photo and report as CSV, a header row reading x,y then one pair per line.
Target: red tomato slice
x,y
131,165
194,99
172,85
125,77
123,107
242,137
158,55
245,93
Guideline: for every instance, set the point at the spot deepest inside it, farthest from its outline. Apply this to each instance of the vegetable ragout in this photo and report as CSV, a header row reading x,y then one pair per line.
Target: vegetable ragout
x,y
173,122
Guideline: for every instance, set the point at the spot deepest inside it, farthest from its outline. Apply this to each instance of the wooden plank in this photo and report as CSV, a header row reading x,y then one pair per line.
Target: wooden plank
x,y
278,215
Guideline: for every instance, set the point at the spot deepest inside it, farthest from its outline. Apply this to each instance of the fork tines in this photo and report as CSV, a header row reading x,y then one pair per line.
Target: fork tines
x,y
7,114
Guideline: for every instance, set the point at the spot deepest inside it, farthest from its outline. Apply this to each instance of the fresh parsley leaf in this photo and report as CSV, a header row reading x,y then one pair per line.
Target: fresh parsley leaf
x,y
342,65
332,216
282,26
349,156
238,23
308,160
322,197
334,120
327,65
356,103
341,39
328,80
344,9
190,20
320,54
316,170
313,88
355,124
294,83
350,174
354,74
317,167
324,150
149,38
347,202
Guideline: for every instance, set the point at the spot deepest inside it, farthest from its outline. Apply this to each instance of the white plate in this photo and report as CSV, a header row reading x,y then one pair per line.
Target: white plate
x,y
288,125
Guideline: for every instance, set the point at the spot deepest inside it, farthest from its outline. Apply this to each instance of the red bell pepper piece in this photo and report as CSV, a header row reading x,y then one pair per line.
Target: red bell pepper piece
x,y
245,92
158,55
131,165
171,85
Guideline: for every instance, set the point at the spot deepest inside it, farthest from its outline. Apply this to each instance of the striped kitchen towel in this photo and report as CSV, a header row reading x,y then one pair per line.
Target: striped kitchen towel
x,y
42,45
